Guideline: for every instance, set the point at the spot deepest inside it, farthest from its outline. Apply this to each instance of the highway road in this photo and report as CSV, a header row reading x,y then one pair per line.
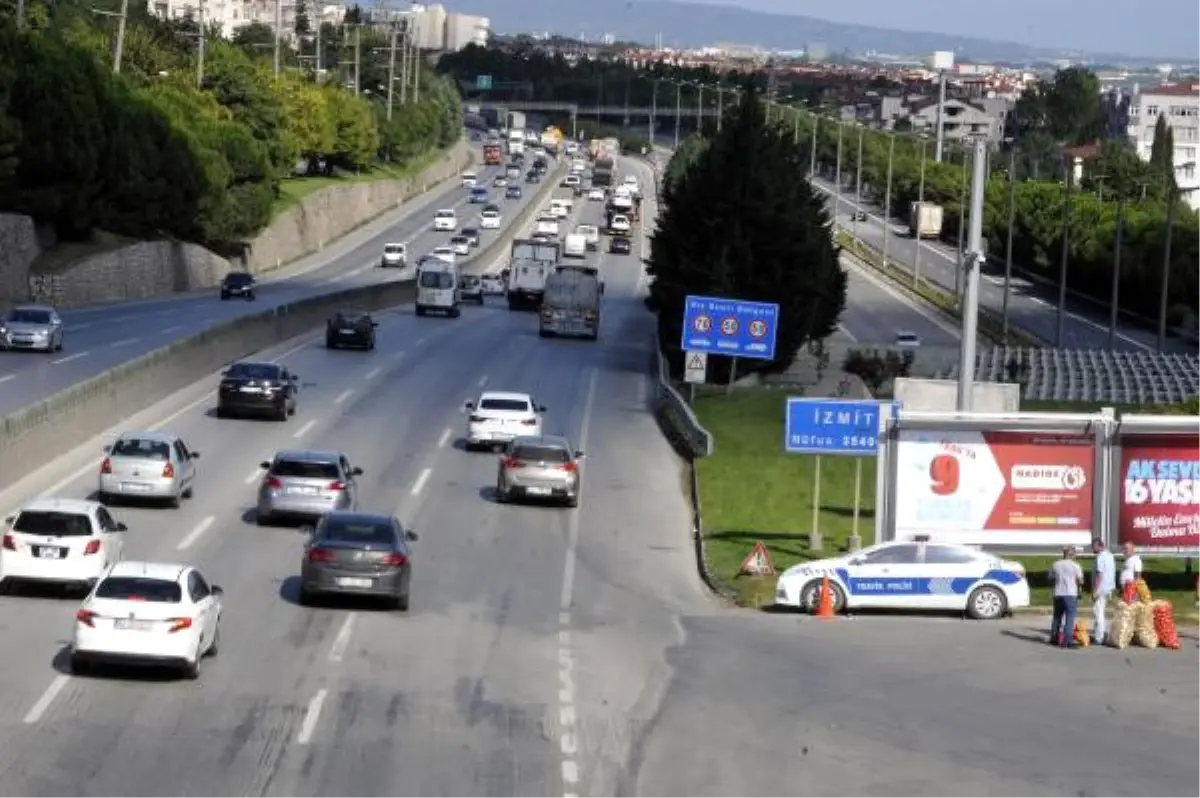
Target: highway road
x,y
547,651
99,338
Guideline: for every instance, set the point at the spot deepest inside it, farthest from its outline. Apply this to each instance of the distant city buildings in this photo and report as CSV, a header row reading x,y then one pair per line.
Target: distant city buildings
x,y
1179,104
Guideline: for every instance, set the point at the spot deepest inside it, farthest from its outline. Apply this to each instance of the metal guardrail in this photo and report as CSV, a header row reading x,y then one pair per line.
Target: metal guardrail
x,y
679,418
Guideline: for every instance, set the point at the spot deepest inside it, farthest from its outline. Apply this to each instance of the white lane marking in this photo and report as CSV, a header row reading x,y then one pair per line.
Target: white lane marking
x,y
397,356
482,381
422,478
164,313
308,425
124,342
172,329
311,716
69,358
254,476
342,641
373,373
195,534
928,315
442,441
8,377
846,332
43,703
343,396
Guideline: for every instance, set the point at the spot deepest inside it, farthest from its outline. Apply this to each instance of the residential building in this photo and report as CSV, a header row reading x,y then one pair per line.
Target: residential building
x,y
230,15
1179,104
960,119
465,29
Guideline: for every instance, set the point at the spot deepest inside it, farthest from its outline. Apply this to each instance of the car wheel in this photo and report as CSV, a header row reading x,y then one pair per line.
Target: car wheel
x,y
262,519
191,670
282,413
59,346
306,598
190,492
401,603
214,648
79,666
573,501
455,313
329,344
292,409
224,297
104,498
810,596
174,502
501,495
986,603
420,310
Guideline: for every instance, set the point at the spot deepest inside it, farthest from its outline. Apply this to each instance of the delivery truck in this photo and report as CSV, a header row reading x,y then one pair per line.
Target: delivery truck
x,y
529,264
924,220
493,154
571,303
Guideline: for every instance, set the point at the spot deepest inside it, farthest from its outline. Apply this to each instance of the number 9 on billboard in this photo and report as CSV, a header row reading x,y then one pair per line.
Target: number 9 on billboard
x,y
944,475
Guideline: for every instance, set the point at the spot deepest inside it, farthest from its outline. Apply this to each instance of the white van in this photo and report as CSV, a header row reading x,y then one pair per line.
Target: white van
x,y
437,287
469,180
547,225
561,207
445,219
575,246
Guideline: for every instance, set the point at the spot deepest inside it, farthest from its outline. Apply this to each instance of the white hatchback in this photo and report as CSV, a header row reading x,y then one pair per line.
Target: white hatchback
x,y
489,220
60,541
596,195
445,219
620,224
148,613
498,417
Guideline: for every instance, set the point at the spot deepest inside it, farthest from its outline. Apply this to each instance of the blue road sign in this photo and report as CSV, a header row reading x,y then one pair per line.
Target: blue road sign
x,y
483,82
730,327
833,426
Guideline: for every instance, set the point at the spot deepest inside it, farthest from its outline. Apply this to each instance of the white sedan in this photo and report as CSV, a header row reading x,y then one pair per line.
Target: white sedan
x,y
461,245
490,220
498,417
910,574
148,613
60,541
596,195
446,254
446,220
620,225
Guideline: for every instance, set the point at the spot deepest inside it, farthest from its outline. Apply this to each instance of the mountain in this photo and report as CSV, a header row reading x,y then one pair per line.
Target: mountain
x,y
694,25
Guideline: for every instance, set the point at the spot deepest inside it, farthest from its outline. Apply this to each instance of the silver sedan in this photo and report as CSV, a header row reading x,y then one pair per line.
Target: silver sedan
x,y
539,467
34,327
148,466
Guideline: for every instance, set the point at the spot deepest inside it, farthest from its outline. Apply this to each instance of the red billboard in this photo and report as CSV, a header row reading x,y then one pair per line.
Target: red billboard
x,y
1159,504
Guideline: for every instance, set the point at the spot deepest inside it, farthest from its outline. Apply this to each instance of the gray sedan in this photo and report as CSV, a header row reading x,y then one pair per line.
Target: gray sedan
x,y
306,484
148,465
539,467
34,327
358,554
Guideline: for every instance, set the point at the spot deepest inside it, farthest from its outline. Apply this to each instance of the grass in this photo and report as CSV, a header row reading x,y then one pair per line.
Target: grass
x,y
750,490
294,189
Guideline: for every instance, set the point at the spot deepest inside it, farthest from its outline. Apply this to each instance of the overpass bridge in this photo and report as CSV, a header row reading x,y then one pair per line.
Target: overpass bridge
x,y
627,114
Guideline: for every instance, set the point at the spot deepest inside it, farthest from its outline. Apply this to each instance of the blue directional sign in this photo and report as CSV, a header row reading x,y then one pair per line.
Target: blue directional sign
x,y
483,82
833,426
730,327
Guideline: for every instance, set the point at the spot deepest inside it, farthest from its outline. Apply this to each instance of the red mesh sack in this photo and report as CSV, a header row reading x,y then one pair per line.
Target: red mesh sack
x,y
1164,624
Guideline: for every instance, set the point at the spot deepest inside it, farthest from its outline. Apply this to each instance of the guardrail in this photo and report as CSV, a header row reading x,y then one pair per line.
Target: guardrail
x,y
52,426
677,416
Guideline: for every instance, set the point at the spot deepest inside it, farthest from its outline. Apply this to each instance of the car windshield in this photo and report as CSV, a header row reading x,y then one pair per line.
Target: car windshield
x,y
141,449
436,280
25,316
469,281
445,214
394,249
347,320
459,240
301,469
137,588
509,405
490,214
379,532
542,454
53,524
238,278
253,371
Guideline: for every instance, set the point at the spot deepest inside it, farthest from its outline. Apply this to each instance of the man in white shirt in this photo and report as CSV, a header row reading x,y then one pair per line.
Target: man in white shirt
x,y
1132,570
1104,582
1067,576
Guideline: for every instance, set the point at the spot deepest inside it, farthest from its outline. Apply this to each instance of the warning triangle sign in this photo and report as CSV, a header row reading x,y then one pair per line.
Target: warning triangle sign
x,y
758,561
695,362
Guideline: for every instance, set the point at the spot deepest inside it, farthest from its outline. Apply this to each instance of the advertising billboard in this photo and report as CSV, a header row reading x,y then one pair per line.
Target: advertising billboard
x,y
1159,503
995,488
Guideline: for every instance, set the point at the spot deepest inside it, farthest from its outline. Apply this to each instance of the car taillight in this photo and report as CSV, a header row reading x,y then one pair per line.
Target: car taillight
x,y
93,547
168,471
85,617
530,422
511,462
179,624
9,543
395,560
106,466
339,485
569,467
320,555
272,483
478,419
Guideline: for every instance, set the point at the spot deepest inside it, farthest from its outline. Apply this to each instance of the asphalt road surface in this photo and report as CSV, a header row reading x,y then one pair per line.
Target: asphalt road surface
x,y
100,338
547,651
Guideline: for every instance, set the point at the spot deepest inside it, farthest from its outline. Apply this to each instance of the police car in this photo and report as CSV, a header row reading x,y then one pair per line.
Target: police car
x,y
910,574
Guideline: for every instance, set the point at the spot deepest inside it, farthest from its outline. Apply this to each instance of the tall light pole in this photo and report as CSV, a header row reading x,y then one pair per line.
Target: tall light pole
x,y
357,59
970,306
405,43
941,110
962,230
700,108
1064,260
837,181
119,49
812,154
1166,270
391,90
720,106
278,33
200,46
857,185
887,198
915,223
1116,271
653,109
678,110
1008,246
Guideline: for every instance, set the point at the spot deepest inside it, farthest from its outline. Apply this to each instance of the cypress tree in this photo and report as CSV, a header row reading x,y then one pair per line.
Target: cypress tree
x,y
743,222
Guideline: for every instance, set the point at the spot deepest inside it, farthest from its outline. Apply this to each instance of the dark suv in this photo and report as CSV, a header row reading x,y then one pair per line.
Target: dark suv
x,y
255,388
238,284
350,329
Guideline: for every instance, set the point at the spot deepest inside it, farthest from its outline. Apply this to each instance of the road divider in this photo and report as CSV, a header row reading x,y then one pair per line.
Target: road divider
x,y
50,427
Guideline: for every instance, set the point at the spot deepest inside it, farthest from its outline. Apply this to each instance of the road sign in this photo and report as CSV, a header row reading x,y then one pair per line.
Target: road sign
x,y
731,327
832,426
758,561
695,367
483,82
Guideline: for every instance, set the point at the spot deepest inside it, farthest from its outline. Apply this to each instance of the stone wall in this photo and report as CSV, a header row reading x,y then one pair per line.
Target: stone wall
x,y
153,268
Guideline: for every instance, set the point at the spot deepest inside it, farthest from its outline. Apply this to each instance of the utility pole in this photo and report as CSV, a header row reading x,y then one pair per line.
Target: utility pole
x,y
962,230
720,106
941,111
970,307
404,45
857,185
700,108
320,24
120,49
1066,253
796,127
887,198
678,110
653,109
391,73
20,15
1166,270
278,33
357,59
416,62
917,228
1008,246
837,181
812,154
1116,271
200,46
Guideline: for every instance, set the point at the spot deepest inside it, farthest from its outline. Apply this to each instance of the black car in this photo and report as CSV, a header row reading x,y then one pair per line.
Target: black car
x,y
513,192
471,234
350,329
620,245
238,284
257,388
470,288
858,216
533,177
359,554
540,164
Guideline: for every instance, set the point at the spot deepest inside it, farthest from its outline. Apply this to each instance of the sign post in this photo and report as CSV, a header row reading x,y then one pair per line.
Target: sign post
x,y
731,327
695,372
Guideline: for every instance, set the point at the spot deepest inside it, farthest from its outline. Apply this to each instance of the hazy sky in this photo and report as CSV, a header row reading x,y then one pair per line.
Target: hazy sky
x,y
1136,27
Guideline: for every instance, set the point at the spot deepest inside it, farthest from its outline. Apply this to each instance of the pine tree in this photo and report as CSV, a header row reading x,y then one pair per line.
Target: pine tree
x,y
745,223
1162,152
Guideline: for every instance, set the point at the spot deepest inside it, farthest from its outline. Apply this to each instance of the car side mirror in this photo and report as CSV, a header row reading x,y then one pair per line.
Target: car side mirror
x,y
121,527
217,590
224,373
356,472
264,465
194,455
374,324
580,455
10,520
412,536
294,377
107,449
541,408
856,561
469,405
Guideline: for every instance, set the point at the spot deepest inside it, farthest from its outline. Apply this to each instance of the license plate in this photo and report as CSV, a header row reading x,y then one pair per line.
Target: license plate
x,y
131,624
134,487
251,389
346,581
538,491
49,553
303,491
346,332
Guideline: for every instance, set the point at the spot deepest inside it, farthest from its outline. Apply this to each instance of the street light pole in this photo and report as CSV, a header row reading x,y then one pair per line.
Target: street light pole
x,y
837,182
857,186
278,32
200,46
1166,271
970,306
391,92
962,230
916,228
1008,247
941,110
720,106
700,109
887,199
1116,272
812,154
653,108
120,50
678,110
1066,254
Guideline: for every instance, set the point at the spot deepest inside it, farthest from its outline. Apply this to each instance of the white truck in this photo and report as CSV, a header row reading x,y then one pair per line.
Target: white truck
x,y
924,220
575,245
514,120
516,141
529,264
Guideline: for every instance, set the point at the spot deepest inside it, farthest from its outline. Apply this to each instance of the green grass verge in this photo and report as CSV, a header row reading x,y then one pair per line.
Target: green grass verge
x,y
750,490
989,323
294,189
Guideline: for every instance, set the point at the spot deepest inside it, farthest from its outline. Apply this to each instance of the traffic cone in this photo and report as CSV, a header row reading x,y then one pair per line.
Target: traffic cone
x,y
825,603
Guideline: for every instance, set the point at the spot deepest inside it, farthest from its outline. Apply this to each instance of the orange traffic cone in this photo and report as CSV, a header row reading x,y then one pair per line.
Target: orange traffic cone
x,y
825,603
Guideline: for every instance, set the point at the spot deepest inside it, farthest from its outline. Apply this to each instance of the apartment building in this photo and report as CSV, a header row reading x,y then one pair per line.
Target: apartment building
x,y
1179,103
960,119
438,29
230,15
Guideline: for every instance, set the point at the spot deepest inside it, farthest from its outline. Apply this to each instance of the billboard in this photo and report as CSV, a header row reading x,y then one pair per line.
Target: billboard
x,y
1159,502
995,488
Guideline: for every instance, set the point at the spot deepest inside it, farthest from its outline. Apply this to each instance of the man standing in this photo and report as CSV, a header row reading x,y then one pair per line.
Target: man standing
x,y
1132,569
1067,576
1104,582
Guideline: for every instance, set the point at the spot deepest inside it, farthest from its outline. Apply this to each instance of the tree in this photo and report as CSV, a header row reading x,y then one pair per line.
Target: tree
x,y
684,159
1068,108
302,25
255,38
745,223
1162,153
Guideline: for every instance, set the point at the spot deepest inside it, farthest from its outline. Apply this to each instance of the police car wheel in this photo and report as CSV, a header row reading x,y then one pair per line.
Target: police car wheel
x,y
986,603
811,596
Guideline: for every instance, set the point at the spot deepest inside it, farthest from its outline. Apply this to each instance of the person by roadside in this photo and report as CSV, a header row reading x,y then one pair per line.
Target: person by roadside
x,y
1131,571
1067,576
1104,582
